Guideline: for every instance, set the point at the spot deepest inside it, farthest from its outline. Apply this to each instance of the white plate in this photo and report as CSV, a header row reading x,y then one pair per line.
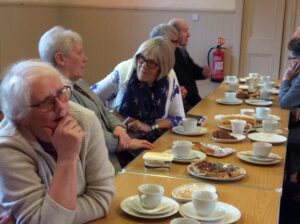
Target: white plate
x,y
267,137
251,159
243,173
161,209
226,102
218,214
239,138
232,214
183,193
271,117
278,131
258,102
214,150
181,131
244,87
274,91
126,206
195,154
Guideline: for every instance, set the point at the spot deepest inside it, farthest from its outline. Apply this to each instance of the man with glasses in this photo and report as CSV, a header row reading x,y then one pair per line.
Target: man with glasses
x,y
54,165
64,49
187,71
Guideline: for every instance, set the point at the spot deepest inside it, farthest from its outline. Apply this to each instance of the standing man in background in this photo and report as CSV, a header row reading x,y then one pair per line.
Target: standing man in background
x,y
187,71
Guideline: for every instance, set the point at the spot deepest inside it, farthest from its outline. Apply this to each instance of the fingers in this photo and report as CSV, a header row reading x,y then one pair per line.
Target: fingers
x,y
128,120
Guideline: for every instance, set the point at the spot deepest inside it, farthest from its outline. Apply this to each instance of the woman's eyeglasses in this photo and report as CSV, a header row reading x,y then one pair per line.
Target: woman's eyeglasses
x,y
48,104
293,57
151,64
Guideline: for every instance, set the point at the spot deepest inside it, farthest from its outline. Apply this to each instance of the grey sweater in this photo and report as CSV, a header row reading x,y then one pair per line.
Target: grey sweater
x,y
26,171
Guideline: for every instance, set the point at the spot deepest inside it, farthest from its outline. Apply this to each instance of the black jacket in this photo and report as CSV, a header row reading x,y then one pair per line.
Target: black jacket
x,y
187,73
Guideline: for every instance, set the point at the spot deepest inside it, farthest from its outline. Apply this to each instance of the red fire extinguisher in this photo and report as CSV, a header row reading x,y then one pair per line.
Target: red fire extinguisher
x,y
217,74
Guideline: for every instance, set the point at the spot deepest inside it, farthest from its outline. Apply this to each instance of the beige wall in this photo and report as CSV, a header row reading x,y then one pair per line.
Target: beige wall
x,y
112,35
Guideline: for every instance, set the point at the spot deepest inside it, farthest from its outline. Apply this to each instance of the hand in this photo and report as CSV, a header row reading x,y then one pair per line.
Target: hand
x,y
136,125
123,137
292,71
183,91
67,138
140,144
206,72
6,218
297,114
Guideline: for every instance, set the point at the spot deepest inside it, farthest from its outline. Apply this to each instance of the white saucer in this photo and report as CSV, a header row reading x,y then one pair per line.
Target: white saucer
x,y
184,192
195,154
216,215
181,131
267,137
278,131
270,117
238,137
226,102
161,209
255,102
232,214
248,156
242,80
126,206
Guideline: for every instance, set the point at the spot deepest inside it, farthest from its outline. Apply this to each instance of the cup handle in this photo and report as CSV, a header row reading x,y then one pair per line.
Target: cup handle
x,y
248,128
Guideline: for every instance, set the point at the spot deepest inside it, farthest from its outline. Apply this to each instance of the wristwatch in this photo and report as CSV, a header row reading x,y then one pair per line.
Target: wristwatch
x,y
154,127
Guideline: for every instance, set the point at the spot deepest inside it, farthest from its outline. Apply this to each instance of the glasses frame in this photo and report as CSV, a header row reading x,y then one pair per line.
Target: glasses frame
x,y
49,103
293,57
151,64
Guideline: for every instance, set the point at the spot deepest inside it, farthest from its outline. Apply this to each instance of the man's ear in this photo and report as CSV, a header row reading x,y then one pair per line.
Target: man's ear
x,y
59,58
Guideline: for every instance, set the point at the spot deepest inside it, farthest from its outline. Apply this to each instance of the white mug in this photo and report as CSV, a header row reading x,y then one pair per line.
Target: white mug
x,y
263,112
270,125
189,124
261,148
231,79
204,202
181,149
150,195
265,94
248,112
230,96
233,87
238,126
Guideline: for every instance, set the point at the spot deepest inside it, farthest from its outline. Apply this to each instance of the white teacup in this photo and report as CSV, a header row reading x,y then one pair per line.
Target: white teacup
x,y
248,112
270,125
150,195
238,126
204,202
181,149
265,94
189,124
233,87
230,96
263,112
265,79
253,75
231,79
261,148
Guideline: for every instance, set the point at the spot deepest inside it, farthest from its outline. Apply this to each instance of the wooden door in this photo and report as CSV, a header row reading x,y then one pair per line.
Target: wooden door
x,y
262,37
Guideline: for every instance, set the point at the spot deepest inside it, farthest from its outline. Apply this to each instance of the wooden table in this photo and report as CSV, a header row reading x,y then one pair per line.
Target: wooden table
x,y
266,177
257,206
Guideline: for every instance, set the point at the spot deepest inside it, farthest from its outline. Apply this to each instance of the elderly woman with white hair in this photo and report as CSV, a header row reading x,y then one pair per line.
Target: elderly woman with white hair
x,y
54,165
63,48
144,90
